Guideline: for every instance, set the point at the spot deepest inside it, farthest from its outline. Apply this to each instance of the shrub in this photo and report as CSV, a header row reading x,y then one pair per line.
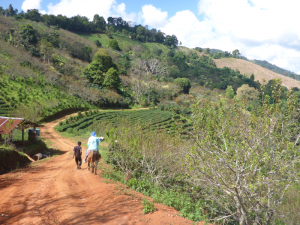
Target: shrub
x,y
80,51
184,83
98,44
114,44
148,206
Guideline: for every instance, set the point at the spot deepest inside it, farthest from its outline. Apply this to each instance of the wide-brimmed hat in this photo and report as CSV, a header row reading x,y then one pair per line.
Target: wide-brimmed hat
x,y
93,134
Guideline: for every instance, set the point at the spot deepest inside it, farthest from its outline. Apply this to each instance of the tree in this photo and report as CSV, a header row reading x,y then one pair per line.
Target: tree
x,y
171,41
171,54
199,49
46,49
184,83
112,79
207,51
33,14
173,71
246,92
243,162
145,74
236,53
99,22
104,58
252,77
98,44
140,30
114,44
94,73
229,92
2,11
28,33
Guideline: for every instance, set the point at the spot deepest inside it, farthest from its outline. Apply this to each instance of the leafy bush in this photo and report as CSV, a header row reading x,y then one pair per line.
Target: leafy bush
x,y
80,51
148,206
114,44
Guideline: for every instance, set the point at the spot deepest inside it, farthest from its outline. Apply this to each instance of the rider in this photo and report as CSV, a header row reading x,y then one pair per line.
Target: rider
x,y
93,144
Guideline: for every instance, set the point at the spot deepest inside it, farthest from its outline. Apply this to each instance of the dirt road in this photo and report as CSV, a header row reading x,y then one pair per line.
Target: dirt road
x,y
54,192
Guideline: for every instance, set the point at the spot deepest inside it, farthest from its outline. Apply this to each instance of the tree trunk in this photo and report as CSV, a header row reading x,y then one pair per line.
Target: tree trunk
x,y
149,95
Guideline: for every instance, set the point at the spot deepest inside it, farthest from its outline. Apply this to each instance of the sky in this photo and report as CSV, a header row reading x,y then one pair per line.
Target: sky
x,y
260,29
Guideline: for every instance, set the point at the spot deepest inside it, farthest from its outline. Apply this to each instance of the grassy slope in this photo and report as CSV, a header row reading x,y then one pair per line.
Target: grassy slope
x,y
260,73
124,41
15,90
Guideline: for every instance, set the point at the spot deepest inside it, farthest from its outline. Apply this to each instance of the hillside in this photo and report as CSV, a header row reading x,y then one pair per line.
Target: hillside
x,y
275,68
260,73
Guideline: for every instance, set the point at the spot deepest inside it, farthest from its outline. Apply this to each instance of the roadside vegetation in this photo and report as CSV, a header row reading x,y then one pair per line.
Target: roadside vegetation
x,y
232,160
214,144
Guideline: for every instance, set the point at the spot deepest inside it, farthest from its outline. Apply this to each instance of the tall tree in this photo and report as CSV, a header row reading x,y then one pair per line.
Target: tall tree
x,y
99,22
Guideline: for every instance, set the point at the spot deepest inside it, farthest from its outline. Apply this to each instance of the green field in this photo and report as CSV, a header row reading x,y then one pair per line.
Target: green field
x,y
153,119
24,92
124,41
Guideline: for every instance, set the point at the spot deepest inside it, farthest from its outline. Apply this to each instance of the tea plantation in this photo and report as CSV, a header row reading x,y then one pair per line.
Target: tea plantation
x,y
47,99
152,119
4,108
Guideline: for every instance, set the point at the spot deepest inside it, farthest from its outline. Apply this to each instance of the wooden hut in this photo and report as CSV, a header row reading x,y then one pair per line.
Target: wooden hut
x,y
8,124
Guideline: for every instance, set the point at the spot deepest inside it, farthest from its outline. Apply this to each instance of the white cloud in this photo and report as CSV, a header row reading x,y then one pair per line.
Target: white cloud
x,y
260,29
120,10
264,29
89,8
153,17
31,4
188,29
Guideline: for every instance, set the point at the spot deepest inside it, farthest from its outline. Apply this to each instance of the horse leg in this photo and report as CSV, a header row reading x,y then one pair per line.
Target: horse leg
x,y
93,167
96,164
89,165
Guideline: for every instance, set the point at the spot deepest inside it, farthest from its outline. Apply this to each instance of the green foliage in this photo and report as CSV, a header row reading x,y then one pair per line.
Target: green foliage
x,y
229,92
184,83
28,33
104,58
171,53
80,51
94,73
231,142
112,79
114,44
148,206
246,92
98,44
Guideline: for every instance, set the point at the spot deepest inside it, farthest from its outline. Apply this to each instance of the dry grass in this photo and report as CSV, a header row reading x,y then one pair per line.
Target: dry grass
x,y
259,72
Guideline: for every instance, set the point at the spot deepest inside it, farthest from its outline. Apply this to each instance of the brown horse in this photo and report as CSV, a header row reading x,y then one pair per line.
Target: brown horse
x,y
93,159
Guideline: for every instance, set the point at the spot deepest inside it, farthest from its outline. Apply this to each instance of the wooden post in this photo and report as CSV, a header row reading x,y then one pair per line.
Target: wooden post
x,y
23,136
0,139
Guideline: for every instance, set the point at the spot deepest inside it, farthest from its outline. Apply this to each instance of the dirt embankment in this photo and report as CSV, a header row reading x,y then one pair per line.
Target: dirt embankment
x,y
259,72
54,192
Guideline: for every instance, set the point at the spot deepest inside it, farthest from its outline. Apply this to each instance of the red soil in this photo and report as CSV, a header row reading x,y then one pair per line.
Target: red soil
x,y
54,192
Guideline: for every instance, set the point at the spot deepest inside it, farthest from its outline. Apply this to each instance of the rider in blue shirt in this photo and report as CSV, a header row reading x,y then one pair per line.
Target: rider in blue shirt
x,y
93,143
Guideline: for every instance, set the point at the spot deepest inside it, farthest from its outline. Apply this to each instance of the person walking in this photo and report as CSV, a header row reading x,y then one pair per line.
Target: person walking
x,y
77,152
93,144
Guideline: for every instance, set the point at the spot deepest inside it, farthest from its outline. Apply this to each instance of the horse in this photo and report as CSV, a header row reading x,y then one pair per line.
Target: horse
x,y
93,159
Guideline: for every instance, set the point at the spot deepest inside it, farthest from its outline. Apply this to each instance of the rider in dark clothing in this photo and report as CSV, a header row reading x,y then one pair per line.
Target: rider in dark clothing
x,y
77,154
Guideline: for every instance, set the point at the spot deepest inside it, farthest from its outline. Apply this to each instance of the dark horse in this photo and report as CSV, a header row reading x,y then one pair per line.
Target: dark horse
x,y
93,159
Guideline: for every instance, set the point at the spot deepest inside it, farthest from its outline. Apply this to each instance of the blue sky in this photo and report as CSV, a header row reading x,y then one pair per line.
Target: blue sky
x,y
260,29
132,6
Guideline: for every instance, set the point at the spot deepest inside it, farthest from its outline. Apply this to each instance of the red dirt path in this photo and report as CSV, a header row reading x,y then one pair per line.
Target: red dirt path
x,y
54,192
